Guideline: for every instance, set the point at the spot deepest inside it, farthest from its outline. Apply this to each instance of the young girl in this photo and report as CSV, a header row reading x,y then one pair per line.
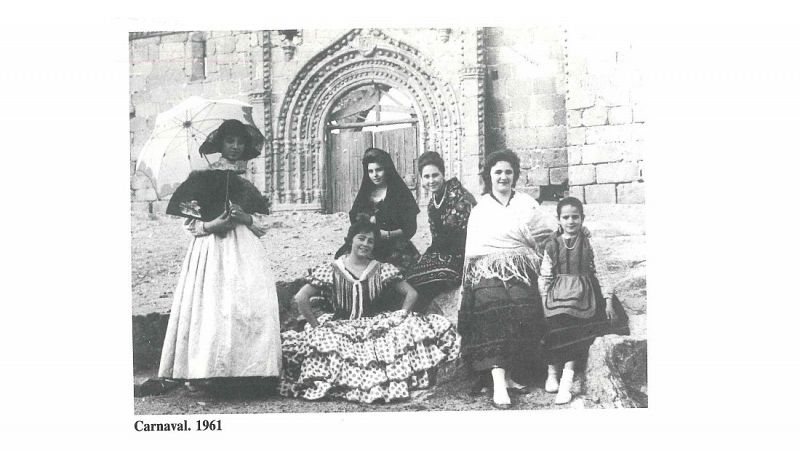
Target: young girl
x,y
574,308
224,322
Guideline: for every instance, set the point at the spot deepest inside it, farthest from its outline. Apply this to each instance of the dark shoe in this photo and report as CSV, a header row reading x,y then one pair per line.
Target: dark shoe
x,y
153,387
501,406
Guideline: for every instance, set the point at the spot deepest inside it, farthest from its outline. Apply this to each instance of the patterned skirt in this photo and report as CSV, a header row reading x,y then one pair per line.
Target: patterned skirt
x,y
501,324
366,359
437,268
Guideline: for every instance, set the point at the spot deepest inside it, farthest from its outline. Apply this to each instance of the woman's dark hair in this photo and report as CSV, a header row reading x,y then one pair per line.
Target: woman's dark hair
x,y
571,201
428,158
251,138
397,193
375,155
494,158
361,225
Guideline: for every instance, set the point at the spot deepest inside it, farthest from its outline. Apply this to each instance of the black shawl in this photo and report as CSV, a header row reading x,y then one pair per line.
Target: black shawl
x,y
398,210
207,190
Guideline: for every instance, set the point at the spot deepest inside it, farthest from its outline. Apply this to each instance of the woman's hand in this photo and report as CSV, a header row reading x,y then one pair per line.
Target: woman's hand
x,y
610,313
219,225
409,294
240,216
303,300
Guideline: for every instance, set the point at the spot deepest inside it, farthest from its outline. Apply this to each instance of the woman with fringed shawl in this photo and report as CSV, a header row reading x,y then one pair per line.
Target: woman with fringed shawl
x,y
501,319
356,353
384,198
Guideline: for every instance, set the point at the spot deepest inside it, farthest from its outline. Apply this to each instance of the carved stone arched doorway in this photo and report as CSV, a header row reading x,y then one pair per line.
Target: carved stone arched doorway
x,y
371,116
299,166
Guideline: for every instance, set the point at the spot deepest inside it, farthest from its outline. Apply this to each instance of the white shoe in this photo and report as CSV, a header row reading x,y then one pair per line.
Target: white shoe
x,y
551,384
564,396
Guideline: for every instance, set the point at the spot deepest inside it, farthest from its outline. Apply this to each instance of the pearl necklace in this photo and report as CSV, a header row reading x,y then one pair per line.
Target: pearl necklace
x,y
438,205
573,244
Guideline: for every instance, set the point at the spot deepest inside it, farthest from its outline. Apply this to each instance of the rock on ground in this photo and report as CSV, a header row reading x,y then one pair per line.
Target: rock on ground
x,y
616,372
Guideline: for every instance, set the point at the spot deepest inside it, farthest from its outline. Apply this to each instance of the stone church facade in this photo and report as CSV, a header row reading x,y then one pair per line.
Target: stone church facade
x,y
565,100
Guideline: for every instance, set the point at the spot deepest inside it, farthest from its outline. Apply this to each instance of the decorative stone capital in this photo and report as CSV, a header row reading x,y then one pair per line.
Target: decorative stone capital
x,y
255,97
472,72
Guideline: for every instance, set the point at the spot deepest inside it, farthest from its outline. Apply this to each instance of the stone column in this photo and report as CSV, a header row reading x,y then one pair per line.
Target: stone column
x,y
269,154
472,78
257,166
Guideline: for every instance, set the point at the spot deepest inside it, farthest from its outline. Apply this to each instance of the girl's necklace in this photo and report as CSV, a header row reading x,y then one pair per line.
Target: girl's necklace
x,y
573,244
439,204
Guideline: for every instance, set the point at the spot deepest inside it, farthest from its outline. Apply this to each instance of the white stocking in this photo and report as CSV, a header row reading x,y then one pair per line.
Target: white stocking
x,y
500,387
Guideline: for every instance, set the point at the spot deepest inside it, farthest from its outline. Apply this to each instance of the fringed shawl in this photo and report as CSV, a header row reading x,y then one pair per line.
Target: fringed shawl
x,y
506,242
350,296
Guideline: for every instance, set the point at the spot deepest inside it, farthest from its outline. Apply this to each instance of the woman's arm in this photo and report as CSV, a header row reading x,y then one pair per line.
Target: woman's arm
x,y
610,313
303,299
195,227
409,294
536,229
219,225
258,224
546,275
408,226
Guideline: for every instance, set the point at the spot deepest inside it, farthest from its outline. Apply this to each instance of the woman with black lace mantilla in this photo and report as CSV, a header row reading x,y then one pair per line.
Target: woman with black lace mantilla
x,y
384,198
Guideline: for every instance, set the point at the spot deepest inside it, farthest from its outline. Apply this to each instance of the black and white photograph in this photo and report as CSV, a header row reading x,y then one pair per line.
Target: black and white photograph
x,y
361,225
387,219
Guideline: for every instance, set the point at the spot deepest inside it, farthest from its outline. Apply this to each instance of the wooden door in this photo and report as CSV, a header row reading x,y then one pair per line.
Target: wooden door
x,y
401,144
346,150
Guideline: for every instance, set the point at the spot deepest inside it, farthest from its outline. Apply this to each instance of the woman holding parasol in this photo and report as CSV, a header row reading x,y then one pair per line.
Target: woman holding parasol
x,y
224,319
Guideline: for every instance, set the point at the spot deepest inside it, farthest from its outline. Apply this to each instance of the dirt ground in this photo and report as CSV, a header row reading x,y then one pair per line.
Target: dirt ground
x,y
298,241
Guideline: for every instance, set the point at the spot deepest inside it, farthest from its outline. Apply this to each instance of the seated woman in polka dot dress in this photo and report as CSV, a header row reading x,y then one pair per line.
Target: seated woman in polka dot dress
x,y
357,353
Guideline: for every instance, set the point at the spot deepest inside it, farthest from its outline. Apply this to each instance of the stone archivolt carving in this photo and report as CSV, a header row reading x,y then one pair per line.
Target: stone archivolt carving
x,y
361,57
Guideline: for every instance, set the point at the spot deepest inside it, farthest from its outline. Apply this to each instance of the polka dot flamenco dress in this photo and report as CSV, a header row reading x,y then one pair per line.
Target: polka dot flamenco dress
x,y
358,354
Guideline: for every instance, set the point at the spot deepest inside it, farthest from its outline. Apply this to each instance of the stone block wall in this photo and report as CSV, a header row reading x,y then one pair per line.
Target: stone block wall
x,y
525,102
565,100
163,72
605,119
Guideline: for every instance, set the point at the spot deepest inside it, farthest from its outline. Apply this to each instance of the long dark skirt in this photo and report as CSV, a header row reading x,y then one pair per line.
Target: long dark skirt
x,y
501,324
569,338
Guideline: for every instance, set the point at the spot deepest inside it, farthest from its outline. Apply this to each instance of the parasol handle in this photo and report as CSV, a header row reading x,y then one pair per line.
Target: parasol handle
x,y
227,194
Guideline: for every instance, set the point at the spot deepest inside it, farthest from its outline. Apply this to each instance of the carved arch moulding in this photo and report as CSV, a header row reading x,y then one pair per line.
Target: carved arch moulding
x,y
297,179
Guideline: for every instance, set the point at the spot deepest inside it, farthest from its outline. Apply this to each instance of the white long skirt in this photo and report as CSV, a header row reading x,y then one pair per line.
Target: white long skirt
x,y
224,320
